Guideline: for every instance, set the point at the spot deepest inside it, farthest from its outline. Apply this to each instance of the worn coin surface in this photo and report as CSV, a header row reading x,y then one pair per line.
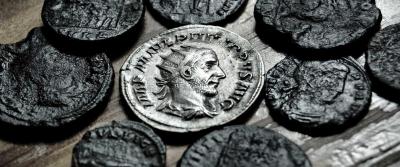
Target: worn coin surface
x,y
91,20
121,144
320,24
317,93
196,11
41,86
191,78
383,57
236,146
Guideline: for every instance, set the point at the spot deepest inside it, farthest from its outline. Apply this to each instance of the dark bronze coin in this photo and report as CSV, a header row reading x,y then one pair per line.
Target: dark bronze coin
x,y
317,94
383,58
319,24
196,11
238,146
41,86
92,20
121,144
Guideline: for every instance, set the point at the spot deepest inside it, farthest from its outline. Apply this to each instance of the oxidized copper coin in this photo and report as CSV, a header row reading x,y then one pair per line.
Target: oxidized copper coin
x,y
317,93
196,11
383,58
124,143
238,146
92,20
42,86
320,24
191,78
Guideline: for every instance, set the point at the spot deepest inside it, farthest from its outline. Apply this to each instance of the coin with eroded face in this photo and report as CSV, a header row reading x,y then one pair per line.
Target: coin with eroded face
x,y
92,20
236,146
192,78
383,57
318,94
44,86
121,144
196,11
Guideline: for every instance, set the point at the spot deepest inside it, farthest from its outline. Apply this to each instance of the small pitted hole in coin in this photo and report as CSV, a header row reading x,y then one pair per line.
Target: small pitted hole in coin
x,y
366,6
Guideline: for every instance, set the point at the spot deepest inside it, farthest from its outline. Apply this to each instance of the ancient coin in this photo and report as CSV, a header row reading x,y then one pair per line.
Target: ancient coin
x,y
92,20
191,78
318,94
42,86
236,146
196,11
383,58
122,144
320,24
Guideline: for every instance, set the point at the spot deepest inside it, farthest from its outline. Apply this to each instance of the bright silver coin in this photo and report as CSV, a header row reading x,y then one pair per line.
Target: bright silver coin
x,y
192,78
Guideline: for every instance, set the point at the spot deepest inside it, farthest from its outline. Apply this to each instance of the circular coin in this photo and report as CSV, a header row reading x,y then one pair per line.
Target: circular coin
x,y
91,20
320,24
191,78
120,144
196,11
318,93
42,86
383,58
244,146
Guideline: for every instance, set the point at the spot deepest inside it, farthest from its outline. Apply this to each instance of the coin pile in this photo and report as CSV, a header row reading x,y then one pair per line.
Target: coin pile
x,y
197,77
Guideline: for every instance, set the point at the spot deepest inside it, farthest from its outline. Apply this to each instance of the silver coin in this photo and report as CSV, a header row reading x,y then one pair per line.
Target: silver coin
x,y
192,78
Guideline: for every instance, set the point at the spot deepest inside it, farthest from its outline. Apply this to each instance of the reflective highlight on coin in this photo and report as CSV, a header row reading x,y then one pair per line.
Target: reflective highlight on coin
x,y
192,78
315,93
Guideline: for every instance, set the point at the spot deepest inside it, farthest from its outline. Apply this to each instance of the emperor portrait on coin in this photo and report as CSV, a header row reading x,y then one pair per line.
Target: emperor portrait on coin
x,y
192,78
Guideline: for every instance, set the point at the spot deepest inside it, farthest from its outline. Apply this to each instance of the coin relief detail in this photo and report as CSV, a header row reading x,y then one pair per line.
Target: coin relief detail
x,y
191,78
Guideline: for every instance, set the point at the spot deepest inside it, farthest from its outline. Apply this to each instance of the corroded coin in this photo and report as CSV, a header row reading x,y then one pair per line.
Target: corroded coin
x,y
320,24
196,11
120,144
383,58
236,146
191,78
41,86
91,20
318,93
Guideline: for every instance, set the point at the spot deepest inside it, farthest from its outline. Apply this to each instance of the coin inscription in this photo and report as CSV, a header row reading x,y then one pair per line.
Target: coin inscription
x,y
318,93
244,146
191,78
123,143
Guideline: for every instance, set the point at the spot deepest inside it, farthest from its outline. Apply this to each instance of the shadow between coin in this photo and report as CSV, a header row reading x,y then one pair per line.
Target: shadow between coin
x,y
283,43
113,47
172,24
321,131
27,135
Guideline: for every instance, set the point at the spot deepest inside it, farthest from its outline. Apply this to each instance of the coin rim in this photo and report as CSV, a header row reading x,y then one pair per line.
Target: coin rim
x,y
169,128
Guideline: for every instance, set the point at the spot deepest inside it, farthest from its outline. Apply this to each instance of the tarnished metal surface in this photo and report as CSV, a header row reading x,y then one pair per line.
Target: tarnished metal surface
x,y
374,141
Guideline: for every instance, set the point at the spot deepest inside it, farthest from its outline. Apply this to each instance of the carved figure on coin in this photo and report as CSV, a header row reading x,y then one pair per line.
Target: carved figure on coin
x,y
319,85
188,84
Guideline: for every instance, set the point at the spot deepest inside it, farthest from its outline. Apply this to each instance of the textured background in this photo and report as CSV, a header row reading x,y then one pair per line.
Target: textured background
x,y
375,141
